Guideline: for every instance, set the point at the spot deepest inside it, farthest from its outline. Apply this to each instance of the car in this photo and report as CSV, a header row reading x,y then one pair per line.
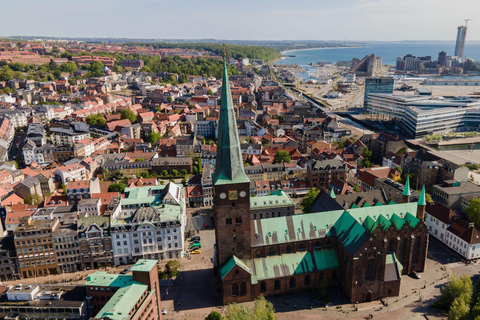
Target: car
x,y
126,270
164,312
196,251
416,275
197,238
196,241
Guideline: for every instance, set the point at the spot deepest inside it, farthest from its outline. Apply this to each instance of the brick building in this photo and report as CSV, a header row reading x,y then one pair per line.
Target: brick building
x,y
323,172
123,297
365,250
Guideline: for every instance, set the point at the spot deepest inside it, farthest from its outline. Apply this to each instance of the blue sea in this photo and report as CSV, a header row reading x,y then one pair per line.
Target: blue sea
x,y
389,51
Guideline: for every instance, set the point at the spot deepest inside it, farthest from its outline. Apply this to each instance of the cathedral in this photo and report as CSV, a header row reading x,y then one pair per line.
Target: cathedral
x,y
364,250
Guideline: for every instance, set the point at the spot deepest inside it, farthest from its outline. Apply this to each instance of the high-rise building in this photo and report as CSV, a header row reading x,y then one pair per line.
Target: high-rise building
x,y
377,85
461,35
442,58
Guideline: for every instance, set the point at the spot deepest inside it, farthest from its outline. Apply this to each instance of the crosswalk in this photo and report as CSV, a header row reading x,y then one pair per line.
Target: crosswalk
x,y
454,264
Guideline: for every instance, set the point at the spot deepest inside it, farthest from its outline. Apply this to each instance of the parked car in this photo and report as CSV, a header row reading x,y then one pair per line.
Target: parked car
x,y
126,270
197,245
197,238
164,312
196,251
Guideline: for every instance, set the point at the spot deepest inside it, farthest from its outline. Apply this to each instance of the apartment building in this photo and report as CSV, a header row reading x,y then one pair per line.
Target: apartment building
x,y
35,249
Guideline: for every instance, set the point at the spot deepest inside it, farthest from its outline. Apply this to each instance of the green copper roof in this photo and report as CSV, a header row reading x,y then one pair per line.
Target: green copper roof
x,y
332,194
349,232
234,261
365,205
355,206
378,204
406,189
289,264
411,219
421,199
122,302
369,224
229,167
144,265
384,222
399,222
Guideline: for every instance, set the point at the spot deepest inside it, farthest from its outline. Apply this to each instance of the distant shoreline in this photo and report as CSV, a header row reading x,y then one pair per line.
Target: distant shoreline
x,y
322,48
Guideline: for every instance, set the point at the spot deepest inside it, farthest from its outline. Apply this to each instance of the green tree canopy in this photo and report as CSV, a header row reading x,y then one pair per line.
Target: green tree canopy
x,y
309,199
32,199
214,315
457,287
262,310
459,310
282,156
117,187
97,120
153,137
128,114
473,211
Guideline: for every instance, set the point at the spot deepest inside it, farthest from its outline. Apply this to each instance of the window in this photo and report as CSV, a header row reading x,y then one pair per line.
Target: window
x,y
271,251
308,280
289,249
292,282
263,286
391,245
370,273
229,220
243,289
234,290
277,285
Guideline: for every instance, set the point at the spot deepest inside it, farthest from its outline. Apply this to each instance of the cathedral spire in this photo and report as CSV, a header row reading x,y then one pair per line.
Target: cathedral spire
x,y
229,163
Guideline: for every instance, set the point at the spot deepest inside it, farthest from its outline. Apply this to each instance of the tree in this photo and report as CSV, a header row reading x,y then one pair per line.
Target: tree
x,y
262,310
153,137
356,188
367,158
210,92
170,99
473,211
428,198
117,187
457,287
282,156
458,310
164,173
128,114
175,172
107,175
322,286
214,315
139,160
281,119
32,199
144,174
399,169
309,199
184,172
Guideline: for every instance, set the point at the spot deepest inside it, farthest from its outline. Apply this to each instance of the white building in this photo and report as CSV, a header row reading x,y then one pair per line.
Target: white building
x,y
458,234
151,224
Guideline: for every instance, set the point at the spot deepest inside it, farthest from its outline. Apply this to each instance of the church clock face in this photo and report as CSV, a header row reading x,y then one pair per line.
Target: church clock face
x,y
223,195
232,195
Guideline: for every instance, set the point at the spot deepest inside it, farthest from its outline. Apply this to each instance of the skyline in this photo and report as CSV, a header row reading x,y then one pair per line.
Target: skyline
x,y
306,20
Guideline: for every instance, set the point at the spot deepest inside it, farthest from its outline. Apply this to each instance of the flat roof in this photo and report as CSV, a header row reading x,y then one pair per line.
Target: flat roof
x,y
122,302
144,265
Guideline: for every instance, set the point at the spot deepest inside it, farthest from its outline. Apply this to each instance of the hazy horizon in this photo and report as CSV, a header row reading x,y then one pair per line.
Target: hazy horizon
x,y
301,20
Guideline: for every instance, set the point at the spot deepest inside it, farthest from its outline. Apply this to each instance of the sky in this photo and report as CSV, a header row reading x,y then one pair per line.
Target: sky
x,y
355,20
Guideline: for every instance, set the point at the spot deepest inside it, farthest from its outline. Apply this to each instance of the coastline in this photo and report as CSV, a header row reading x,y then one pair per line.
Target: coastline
x,y
321,48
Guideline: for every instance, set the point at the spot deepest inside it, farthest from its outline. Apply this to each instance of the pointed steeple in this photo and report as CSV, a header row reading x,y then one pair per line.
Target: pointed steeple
x,y
229,165
421,199
421,205
332,194
406,190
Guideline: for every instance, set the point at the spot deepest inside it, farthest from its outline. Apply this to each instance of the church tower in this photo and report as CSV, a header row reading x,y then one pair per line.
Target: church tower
x,y
231,186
